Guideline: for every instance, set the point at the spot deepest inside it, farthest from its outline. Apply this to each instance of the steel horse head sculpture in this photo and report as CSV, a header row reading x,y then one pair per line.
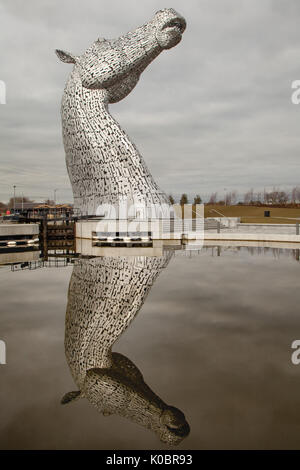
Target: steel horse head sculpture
x,y
104,166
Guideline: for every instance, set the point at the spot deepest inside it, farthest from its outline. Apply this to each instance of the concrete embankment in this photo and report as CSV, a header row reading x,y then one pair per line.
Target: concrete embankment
x,y
11,230
256,232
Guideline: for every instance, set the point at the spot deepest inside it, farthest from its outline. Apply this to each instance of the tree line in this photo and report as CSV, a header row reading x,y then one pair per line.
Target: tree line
x,y
250,197
185,200
20,200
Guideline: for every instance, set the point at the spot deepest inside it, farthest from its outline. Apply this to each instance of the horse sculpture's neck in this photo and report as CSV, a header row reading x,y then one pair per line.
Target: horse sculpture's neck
x,y
103,164
104,296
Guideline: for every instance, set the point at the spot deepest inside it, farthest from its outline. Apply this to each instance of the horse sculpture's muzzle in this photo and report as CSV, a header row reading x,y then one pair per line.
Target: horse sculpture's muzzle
x,y
177,24
171,26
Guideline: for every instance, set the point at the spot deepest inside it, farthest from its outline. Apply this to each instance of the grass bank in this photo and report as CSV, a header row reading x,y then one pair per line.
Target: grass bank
x,y
253,214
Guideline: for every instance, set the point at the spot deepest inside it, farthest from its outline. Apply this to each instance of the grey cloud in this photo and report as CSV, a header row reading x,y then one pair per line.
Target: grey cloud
x,y
214,112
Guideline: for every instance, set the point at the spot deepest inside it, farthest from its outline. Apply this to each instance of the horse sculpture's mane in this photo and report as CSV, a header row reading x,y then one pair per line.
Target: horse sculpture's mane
x,y
104,166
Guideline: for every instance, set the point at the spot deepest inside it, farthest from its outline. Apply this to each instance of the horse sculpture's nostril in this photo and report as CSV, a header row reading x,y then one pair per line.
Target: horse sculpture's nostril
x,y
176,22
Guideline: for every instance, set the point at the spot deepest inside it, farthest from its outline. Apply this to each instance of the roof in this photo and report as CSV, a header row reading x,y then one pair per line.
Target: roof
x,y
40,205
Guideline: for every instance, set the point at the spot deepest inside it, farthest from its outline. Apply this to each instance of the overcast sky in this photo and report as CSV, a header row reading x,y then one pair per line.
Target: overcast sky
x,y
214,112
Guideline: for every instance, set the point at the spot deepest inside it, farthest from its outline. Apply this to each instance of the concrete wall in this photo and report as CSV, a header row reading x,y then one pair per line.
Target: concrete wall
x,y
19,229
19,257
280,229
237,231
178,210
86,248
188,211
199,210
230,222
84,229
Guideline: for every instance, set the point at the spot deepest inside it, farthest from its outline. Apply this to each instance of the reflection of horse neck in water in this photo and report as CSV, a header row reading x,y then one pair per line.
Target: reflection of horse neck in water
x,y
104,296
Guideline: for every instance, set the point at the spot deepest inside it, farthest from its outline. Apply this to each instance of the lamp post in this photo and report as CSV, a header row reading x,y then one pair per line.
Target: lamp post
x,y
14,198
54,192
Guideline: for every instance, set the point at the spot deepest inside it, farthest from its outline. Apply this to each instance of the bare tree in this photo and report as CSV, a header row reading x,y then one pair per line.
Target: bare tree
x,y
213,198
227,199
260,197
18,199
249,196
230,198
234,197
268,197
283,197
3,207
295,197
276,197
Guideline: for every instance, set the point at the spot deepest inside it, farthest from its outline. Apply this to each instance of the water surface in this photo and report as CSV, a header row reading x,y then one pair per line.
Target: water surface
x,y
212,339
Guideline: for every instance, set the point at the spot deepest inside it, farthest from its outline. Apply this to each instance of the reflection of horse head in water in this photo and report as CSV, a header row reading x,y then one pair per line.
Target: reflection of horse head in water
x,y
104,296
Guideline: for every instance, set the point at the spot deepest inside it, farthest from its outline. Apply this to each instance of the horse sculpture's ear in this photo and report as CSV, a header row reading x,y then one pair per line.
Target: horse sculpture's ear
x,y
65,56
71,396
